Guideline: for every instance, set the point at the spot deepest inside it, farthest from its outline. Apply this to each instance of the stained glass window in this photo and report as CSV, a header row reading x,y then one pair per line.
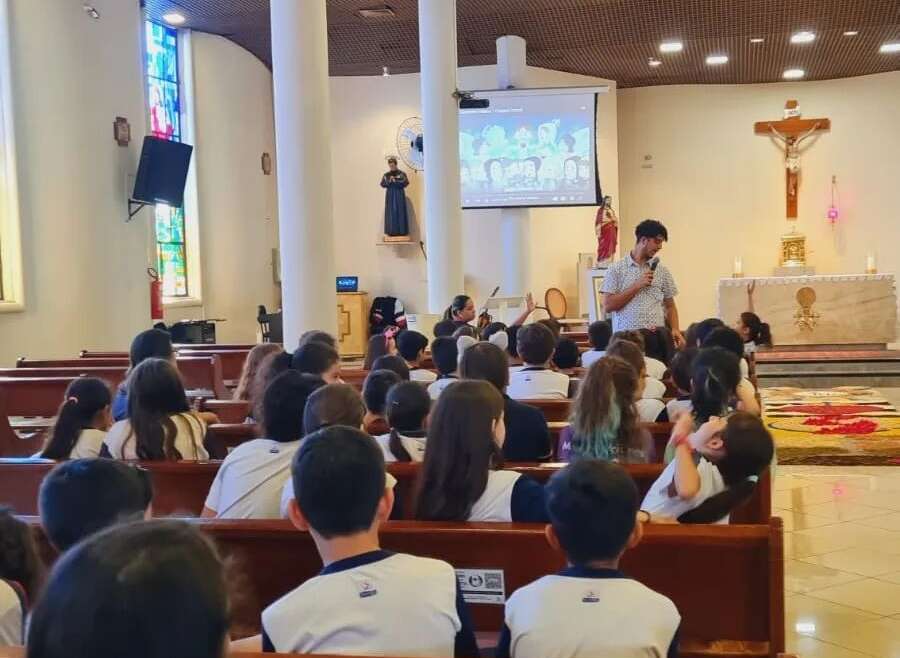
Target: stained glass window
x,y
164,98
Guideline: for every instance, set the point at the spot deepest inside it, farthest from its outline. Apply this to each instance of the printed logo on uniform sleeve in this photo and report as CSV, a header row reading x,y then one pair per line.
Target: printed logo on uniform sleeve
x,y
366,589
590,597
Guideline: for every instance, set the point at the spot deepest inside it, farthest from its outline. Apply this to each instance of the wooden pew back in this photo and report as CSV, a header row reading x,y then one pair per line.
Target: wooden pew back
x,y
112,375
113,362
232,362
33,396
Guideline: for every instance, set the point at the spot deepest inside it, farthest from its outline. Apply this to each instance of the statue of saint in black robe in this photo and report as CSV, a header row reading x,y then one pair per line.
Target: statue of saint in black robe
x,y
396,221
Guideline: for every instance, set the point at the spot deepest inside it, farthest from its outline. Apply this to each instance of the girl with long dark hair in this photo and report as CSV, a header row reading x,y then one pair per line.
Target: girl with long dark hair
x,y
407,406
82,421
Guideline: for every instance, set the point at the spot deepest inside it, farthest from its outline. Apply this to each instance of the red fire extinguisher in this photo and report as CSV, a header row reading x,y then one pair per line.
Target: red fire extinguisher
x,y
156,296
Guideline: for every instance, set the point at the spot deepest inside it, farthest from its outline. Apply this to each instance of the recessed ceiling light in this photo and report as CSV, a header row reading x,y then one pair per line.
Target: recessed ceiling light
x,y
712,60
174,18
756,39
851,33
671,47
793,74
803,37
385,72
653,62
893,47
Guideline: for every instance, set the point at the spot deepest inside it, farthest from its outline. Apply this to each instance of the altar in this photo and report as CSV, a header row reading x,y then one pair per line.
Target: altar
x,y
855,309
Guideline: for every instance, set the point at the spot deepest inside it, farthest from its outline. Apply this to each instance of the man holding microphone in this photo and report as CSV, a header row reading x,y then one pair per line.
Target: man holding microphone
x,y
639,292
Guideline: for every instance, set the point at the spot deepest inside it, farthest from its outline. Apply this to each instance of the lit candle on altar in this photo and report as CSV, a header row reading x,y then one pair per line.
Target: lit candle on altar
x,y
870,264
738,269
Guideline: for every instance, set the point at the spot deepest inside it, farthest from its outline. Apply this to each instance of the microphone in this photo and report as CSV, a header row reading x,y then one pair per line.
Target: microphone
x,y
654,262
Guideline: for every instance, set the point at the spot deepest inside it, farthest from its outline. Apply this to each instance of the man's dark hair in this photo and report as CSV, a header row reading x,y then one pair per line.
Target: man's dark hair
x,y
566,354
535,343
599,333
83,496
592,505
394,363
314,357
410,344
327,462
376,387
488,362
283,404
445,355
727,338
650,228
444,328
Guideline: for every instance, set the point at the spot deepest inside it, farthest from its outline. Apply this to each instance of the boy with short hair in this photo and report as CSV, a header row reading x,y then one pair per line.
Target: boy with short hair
x,y
83,496
366,600
535,381
319,359
411,346
590,608
599,333
446,360
374,393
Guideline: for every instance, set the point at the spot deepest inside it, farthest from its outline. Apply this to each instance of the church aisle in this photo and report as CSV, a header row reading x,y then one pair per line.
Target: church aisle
x,y
842,559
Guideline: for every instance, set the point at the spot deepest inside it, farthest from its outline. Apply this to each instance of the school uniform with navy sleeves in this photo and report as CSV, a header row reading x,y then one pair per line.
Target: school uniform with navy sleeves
x,y
663,501
583,612
510,496
437,387
538,383
375,604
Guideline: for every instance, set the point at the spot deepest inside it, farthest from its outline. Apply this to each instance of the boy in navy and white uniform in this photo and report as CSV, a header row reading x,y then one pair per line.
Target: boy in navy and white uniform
x,y
411,346
535,380
446,360
366,601
590,608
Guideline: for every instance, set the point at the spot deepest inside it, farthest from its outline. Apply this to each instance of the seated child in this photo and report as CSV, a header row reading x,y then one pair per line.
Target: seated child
x,y
160,425
590,608
754,332
566,357
271,366
394,363
84,496
149,344
408,405
729,339
527,434
655,369
374,393
650,391
319,359
715,468
81,422
461,478
366,600
535,381
657,347
599,333
411,346
252,364
681,368
605,422
446,360
248,484
319,336
21,576
158,587
444,329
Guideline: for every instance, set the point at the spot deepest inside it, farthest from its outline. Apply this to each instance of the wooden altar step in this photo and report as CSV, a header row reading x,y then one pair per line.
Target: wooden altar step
x,y
826,368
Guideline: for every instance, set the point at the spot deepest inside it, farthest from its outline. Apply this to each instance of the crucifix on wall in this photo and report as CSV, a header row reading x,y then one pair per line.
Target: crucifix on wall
x,y
792,131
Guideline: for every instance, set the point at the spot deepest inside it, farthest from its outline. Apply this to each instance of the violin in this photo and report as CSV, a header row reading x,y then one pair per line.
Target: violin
x,y
485,318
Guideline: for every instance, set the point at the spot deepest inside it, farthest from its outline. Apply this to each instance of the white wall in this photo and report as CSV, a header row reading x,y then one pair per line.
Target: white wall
x,y
84,267
365,114
238,213
720,189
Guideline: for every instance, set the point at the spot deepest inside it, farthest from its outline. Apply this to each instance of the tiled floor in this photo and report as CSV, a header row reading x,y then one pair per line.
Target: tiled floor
x,y
842,559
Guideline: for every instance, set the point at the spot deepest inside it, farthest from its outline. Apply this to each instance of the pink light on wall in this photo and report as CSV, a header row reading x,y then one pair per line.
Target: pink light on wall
x,y
833,213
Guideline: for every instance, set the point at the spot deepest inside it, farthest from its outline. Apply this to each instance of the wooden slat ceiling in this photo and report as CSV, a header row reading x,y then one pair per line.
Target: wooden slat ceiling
x,y
606,38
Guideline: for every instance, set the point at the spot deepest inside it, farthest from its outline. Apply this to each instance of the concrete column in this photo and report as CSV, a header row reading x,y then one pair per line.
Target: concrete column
x,y
440,114
514,222
302,137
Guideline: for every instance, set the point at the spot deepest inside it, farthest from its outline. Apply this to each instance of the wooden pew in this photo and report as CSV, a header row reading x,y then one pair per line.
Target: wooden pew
x,y
113,375
747,562
214,347
230,412
17,444
222,437
116,362
34,396
232,362
91,354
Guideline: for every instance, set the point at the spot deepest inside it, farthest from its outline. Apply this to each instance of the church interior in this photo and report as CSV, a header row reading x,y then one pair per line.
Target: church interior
x,y
231,176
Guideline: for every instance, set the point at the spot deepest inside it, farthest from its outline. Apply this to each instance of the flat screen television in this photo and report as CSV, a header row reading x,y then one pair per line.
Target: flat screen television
x,y
530,148
162,172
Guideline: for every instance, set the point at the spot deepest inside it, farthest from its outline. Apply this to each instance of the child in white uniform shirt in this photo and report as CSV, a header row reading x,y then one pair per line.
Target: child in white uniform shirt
x,y
22,569
81,422
446,360
599,333
650,391
12,614
160,424
714,470
248,484
460,479
408,405
590,609
411,346
535,381
366,601
730,340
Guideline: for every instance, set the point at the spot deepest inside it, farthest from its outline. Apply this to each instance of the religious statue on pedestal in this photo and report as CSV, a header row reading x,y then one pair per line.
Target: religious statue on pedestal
x,y
606,226
396,220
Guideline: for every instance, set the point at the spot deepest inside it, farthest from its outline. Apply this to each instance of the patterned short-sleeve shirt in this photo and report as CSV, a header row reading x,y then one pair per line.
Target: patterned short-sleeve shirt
x,y
646,309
